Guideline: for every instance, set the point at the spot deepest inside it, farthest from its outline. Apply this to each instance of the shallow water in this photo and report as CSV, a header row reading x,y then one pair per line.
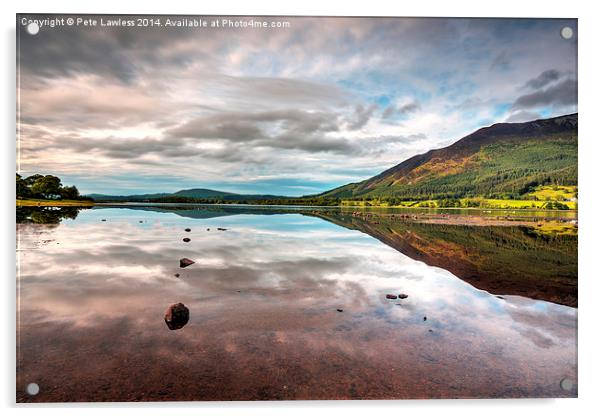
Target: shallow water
x,y
264,323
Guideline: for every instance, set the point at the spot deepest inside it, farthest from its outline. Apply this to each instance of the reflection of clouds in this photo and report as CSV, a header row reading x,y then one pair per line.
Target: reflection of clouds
x,y
261,290
545,324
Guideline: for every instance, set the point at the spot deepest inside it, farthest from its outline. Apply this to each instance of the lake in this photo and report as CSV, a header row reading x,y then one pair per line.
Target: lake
x,y
289,304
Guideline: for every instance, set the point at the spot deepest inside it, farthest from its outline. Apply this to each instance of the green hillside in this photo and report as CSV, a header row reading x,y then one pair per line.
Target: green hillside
x,y
506,160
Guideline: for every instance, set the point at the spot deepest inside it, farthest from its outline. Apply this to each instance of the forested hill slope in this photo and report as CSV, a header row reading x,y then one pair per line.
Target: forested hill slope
x,y
505,159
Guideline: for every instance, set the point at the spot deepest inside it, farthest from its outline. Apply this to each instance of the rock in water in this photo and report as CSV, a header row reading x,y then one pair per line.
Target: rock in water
x,y
185,262
186,240
391,296
339,310
221,229
403,296
177,275
187,230
176,316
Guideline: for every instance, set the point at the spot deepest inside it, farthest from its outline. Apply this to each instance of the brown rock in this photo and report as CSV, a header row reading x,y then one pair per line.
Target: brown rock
x,y
388,296
403,296
184,262
176,316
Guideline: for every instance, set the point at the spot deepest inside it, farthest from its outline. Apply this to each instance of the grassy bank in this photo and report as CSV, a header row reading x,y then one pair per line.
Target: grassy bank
x,y
53,203
480,203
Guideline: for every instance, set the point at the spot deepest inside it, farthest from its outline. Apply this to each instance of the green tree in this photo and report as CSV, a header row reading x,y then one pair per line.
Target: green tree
x,y
30,180
22,188
47,186
69,192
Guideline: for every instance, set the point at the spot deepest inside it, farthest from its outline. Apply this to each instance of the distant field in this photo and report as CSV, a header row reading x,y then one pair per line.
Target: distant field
x,y
467,203
520,204
51,203
554,193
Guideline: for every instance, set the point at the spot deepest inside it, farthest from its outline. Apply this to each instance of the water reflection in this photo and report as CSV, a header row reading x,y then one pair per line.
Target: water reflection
x,y
46,215
499,259
264,322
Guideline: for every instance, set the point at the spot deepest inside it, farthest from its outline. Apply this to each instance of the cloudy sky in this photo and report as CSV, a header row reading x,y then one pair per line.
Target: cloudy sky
x,y
291,111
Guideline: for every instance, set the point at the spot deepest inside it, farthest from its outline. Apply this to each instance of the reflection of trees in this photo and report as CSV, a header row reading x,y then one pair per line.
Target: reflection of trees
x,y
45,215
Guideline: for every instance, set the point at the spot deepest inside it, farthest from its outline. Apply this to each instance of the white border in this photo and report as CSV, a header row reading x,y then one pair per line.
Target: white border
x,y
590,154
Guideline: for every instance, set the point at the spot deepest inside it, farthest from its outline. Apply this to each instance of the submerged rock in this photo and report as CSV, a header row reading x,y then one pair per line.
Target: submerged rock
x,y
389,296
403,296
184,262
103,219
176,316
186,240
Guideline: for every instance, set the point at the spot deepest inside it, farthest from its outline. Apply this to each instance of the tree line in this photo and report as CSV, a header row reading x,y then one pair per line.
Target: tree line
x,y
45,187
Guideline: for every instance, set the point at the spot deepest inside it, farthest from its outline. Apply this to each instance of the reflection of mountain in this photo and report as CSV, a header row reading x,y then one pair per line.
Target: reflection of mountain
x,y
205,211
500,260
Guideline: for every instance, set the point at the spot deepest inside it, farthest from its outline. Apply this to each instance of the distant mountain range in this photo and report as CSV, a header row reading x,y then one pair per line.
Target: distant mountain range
x,y
500,161
197,193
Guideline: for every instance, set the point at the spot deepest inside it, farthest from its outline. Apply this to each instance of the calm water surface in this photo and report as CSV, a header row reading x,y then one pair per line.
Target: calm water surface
x,y
264,323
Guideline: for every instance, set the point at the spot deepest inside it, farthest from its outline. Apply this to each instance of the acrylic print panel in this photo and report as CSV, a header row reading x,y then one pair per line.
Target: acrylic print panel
x,y
295,208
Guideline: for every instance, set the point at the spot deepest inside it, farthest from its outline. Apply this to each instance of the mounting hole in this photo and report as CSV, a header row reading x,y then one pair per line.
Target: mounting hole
x,y
566,384
33,28
566,32
32,389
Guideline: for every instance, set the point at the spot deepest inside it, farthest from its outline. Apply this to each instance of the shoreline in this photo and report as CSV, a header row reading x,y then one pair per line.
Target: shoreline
x,y
43,203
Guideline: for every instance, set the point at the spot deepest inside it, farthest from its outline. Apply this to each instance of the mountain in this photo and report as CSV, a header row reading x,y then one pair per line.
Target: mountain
x,y
103,197
202,193
505,159
184,194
